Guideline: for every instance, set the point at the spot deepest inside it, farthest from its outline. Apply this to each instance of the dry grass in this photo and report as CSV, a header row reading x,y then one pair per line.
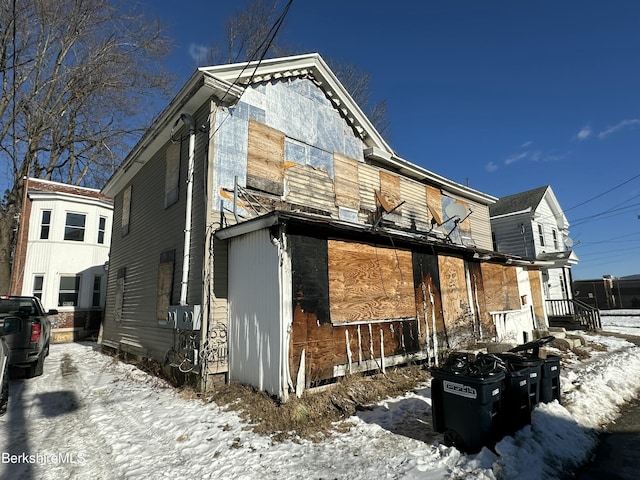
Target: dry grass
x,y
314,415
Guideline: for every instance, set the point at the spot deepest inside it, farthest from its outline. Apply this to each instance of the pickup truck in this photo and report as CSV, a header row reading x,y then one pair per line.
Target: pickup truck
x,y
26,328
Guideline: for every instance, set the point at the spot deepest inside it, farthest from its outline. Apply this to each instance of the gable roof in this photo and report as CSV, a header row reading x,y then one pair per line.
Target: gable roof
x,y
518,202
227,83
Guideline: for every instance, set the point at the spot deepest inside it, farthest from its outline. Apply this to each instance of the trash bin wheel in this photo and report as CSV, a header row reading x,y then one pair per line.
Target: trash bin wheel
x,y
453,439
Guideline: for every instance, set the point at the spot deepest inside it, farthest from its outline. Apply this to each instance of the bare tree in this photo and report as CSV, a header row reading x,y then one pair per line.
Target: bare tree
x,y
74,75
247,33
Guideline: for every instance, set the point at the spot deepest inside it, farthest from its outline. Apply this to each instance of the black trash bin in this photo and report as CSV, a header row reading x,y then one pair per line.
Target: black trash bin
x,y
516,409
550,381
466,404
533,367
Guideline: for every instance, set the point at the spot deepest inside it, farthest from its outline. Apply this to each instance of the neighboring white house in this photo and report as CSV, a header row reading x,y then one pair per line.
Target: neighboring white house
x,y
532,225
62,253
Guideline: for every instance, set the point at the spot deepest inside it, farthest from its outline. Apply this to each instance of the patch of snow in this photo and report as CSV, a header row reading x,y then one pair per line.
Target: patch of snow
x,y
104,419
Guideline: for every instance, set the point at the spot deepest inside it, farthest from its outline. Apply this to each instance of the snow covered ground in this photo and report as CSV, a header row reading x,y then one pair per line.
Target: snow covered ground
x,y
89,416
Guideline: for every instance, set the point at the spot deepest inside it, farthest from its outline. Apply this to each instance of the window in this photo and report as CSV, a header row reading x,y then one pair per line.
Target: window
x,y
541,234
38,282
69,290
172,174
74,227
45,224
555,239
102,227
165,283
97,291
126,210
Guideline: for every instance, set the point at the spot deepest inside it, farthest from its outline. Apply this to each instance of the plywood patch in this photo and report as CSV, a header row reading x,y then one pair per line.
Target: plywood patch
x,y
434,203
265,158
369,282
501,287
456,306
390,189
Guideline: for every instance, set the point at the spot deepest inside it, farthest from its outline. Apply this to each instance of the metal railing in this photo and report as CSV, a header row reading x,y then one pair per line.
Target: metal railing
x,y
581,313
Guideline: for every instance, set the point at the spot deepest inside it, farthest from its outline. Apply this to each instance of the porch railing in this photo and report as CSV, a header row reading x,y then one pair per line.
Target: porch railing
x,y
581,313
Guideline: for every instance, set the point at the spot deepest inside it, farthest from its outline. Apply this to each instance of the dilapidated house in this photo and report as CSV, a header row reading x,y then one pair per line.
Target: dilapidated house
x,y
264,230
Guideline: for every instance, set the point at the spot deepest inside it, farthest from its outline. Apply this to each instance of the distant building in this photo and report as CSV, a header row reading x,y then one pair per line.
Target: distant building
x,y
608,292
532,225
62,253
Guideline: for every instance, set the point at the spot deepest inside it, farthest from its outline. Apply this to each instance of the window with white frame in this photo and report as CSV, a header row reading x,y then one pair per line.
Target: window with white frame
x,y
102,228
541,234
126,210
69,291
38,283
45,225
74,227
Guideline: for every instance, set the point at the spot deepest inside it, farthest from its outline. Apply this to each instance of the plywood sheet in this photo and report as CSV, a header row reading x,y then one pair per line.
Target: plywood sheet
x,y
369,282
537,300
501,287
434,203
455,301
390,189
265,158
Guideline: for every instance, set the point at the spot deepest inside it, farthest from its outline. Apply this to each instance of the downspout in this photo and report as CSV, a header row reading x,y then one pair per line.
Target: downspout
x,y
188,120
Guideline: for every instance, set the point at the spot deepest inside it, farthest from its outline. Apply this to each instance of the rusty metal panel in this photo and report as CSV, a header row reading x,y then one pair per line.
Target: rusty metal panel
x,y
368,282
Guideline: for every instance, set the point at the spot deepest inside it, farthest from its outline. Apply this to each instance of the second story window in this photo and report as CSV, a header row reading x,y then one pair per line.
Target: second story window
x,y
541,234
555,239
102,227
45,225
74,227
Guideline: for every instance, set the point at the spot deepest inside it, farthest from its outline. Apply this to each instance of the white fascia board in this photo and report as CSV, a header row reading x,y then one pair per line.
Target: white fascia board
x,y
414,171
200,88
526,211
70,198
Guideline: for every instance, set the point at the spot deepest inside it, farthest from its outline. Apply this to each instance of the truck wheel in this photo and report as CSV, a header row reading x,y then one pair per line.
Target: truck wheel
x,y
36,368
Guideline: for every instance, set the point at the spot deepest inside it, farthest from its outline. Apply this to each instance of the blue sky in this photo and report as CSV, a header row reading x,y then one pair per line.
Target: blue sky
x,y
503,95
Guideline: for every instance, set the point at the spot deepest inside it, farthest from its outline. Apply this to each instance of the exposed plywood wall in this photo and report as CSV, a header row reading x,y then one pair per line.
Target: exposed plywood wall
x,y
500,287
369,282
537,300
485,327
456,306
346,181
265,158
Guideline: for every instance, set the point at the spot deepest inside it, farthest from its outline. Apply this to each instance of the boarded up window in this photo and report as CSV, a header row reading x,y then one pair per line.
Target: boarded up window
x,y
126,210
120,284
500,287
390,190
265,158
455,296
346,186
537,300
172,174
165,283
369,282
